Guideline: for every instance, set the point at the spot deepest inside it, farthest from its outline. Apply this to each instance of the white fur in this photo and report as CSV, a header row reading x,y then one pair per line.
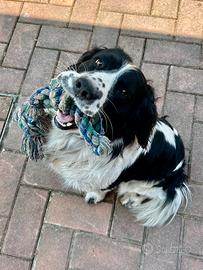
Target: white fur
x,y
155,211
167,131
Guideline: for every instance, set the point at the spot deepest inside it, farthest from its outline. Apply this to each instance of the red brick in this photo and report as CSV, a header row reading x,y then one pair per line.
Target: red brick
x,y
25,222
21,45
186,80
195,206
197,154
157,76
133,46
148,26
176,53
106,29
193,237
175,105
5,103
199,109
189,263
14,134
10,80
84,14
71,211
94,252
62,2
2,50
162,247
127,6
190,20
1,126
66,59
124,225
64,39
167,8
10,170
52,250
40,70
39,174
45,14
11,263
3,222
8,15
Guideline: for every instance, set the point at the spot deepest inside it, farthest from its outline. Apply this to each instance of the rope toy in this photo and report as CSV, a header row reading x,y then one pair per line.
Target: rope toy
x,y
34,118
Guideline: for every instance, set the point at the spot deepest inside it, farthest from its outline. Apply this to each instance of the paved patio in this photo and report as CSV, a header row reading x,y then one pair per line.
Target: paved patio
x,y
42,226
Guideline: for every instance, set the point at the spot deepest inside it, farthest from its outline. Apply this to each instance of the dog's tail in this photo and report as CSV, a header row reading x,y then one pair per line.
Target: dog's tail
x,y
158,212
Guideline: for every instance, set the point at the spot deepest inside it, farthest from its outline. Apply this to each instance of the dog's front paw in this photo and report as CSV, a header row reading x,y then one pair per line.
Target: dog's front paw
x,y
94,197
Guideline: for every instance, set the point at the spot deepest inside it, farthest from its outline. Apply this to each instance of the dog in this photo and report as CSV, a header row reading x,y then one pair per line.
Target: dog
x,y
146,163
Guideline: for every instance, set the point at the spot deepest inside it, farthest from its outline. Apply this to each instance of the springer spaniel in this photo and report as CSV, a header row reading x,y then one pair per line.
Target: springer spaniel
x,y
147,160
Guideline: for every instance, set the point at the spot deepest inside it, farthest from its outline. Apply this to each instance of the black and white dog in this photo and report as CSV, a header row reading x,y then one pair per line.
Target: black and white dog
x,y
147,160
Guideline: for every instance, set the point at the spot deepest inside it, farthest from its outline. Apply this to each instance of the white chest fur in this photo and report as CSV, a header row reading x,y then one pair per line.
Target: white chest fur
x,y
80,168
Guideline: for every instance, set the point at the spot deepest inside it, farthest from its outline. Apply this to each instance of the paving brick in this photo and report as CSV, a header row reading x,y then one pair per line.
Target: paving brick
x,y
5,103
3,222
8,15
84,14
127,6
175,105
1,126
10,80
21,45
197,154
11,263
167,8
62,2
40,70
147,26
94,252
124,225
193,230
45,14
190,20
189,263
195,206
162,51
65,60
2,49
13,137
23,232
39,174
133,46
162,247
10,170
64,39
106,29
52,250
157,76
71,211
199,109
186,80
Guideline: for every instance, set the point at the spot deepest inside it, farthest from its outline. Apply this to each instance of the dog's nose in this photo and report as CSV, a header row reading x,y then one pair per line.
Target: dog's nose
x,y
84,89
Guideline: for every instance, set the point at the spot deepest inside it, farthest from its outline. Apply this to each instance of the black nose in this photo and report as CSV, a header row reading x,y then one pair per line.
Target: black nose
x,y
84,89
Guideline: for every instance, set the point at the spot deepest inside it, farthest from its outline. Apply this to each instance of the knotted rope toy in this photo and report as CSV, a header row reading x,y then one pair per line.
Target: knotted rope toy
x,y
34,118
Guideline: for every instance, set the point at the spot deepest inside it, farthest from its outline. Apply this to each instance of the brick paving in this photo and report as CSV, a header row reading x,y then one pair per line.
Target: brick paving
x,y
42,225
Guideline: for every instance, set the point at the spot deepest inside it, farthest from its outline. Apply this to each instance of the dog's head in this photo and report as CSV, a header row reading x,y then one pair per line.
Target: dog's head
x,y
105,81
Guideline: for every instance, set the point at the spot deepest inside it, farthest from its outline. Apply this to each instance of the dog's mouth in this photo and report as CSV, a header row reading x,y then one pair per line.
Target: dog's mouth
x,y
64,121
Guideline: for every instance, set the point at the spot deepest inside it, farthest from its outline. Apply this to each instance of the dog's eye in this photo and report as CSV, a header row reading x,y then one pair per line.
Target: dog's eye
x,y
124,92
98,62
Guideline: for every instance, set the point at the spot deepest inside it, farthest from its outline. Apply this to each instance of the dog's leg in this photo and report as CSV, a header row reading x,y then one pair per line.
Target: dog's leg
x,y
95,196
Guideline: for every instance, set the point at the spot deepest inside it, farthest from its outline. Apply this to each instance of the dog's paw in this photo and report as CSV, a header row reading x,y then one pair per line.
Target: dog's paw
x,y
94,197
130,200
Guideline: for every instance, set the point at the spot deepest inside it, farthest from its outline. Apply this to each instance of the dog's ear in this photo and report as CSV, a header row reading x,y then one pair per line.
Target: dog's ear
x,y
144,114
